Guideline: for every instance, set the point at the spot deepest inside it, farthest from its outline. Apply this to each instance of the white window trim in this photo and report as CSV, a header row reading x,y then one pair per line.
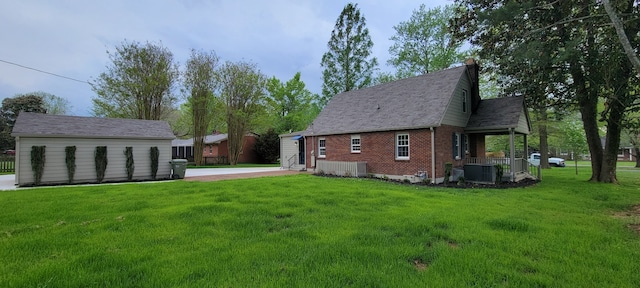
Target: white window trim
x,y
359,145
322,150
397,146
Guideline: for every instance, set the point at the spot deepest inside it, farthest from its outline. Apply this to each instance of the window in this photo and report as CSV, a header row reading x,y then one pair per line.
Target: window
x,y
464,101
460,145
402,146
465,141
322,148
355,143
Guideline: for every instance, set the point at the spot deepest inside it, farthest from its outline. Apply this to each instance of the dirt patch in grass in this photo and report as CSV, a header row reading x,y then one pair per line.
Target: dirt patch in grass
x,y
631,216
419,264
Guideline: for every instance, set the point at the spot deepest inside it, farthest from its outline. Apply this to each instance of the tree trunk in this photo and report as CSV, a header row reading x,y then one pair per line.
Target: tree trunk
x,y
198,143
588,101
541,115
637,149
614,129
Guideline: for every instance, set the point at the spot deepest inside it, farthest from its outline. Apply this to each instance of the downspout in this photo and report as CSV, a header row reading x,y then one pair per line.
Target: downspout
x,y
433,156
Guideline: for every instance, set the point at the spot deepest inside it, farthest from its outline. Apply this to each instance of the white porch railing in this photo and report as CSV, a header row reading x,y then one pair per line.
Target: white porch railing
x,y
342,168
521,165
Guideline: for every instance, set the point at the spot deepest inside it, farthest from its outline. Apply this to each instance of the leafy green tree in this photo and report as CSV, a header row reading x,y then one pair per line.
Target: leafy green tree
x,y
138,83
574,140
52,104
347,65
558,51
267,146
200,82
242,90
291,104
180,120
424,43
11,108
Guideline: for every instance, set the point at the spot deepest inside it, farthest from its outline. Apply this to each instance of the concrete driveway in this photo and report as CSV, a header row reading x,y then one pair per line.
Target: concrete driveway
x,y
7,182
194,172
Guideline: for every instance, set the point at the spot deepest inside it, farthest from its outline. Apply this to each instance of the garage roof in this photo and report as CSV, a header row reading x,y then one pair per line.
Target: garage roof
x,y
46,125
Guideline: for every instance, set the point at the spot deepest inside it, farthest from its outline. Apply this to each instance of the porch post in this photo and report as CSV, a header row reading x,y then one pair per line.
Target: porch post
x,y
512,156
526,154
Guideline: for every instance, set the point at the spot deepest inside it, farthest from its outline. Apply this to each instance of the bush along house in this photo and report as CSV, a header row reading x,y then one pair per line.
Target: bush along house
x,y
412,129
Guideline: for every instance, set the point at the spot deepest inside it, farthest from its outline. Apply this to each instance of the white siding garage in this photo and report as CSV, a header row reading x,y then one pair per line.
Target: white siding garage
x,y
86,133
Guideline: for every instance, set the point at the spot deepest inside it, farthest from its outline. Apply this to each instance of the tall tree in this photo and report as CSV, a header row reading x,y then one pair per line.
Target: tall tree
x,y
347,65
424,43
138,83
11,108
569,53
291,104
199,83
242,90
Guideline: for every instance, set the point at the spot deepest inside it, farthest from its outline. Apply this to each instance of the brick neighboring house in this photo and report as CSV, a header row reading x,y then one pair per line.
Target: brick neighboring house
x,y
410,128
215,150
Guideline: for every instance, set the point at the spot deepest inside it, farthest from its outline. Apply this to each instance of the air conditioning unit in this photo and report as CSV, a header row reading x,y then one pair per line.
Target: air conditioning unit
x,y
481,173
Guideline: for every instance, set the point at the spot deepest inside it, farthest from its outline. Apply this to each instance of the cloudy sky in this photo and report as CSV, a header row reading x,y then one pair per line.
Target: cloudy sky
x,y
71,38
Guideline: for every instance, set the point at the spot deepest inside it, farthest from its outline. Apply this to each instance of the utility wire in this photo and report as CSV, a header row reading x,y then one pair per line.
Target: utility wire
x,y
45,72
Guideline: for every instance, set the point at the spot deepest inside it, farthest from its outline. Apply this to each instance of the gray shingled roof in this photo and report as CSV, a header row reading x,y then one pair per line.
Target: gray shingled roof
x,y
496,114
47,125
416,102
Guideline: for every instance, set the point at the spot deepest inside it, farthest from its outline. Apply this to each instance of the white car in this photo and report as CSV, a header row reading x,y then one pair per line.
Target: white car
x,y
553,161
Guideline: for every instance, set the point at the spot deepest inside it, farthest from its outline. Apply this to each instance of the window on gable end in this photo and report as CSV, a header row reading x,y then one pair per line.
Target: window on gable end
x,y
355,144
464,100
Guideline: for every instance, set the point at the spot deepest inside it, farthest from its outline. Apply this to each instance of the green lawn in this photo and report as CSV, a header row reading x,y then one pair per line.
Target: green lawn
x,y
308,231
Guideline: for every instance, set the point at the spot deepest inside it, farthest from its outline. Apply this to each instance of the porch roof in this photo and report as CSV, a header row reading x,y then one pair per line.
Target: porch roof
x,y
499,115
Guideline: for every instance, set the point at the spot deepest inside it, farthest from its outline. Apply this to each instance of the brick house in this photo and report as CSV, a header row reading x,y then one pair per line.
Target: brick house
x,y
409,129
215,149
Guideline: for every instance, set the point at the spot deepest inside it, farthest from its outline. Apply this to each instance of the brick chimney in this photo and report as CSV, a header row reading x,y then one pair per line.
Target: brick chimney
x,y
474,72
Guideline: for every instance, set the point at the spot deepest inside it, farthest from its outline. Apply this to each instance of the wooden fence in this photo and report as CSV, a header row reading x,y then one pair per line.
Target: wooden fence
x,y
7,164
